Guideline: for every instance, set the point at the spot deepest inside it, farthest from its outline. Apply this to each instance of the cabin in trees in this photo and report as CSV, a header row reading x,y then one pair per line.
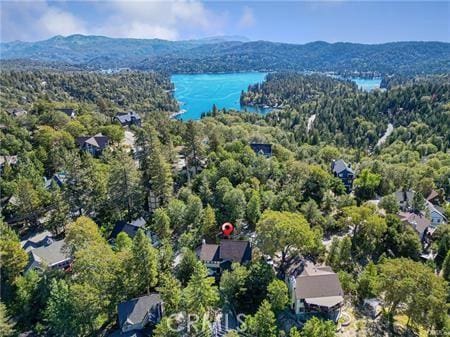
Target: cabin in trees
x,y
49,254
69,112
58,178
131,228
262,149
344,172
218,258
93,144
16,112
140,314
128,118
315,290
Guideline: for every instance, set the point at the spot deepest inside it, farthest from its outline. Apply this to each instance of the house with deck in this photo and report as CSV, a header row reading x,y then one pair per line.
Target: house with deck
x,y
344,172
51,255
315,291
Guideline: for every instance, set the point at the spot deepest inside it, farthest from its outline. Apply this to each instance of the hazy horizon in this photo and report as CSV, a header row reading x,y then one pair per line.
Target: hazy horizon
x,y
362,22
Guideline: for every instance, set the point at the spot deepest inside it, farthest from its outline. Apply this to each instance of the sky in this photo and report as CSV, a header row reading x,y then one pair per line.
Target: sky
x,y
292,22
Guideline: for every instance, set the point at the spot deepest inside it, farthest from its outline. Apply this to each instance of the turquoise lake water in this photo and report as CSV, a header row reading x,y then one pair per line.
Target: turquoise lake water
x,y
197,93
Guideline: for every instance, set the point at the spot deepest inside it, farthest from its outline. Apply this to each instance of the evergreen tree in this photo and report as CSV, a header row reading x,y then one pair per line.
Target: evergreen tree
x,y
200,295
278,295
124,187
143,264
209,226
59,313
6,326
263,323
59,212
187,266
13,258
170,290
161,223
123,242
254,208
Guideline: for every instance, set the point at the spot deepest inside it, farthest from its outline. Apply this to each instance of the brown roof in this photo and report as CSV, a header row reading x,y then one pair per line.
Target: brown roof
x,y
418,221
433,194
209,252
234,250
228,250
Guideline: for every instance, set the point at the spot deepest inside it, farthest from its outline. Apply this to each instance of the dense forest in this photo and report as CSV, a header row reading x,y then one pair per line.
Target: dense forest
x,y
289,205
125,89
346,116
216,55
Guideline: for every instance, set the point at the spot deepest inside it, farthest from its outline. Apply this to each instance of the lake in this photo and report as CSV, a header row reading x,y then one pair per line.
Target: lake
x,y
367,84
197,93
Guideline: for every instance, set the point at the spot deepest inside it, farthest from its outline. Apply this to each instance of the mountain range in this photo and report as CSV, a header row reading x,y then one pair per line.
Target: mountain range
x,y
222,54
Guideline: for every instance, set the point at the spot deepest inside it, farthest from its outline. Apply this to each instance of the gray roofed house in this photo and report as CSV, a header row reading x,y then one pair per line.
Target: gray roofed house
x,y
128,118
316,291
136,314
93,144
405,199
344,172
36,240
220,257
130,228
51,255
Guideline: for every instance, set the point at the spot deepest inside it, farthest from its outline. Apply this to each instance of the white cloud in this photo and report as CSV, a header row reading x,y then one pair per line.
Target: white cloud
x,y
155,19
247,19
36,20
55,21
41,19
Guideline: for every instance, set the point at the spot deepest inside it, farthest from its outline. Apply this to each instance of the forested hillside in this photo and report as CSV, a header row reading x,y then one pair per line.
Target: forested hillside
x,y
133,90
419,110
185,179
209,55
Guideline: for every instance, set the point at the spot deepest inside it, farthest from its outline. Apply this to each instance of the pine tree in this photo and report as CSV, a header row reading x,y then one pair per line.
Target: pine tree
x,y
254,208
59,212
124,186
161,223
186,267
263,323
144,264
59,312
200,295
170,290
209,226
6,326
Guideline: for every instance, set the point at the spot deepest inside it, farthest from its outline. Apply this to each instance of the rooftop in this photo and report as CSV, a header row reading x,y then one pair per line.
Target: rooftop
x,y
134,311
340,165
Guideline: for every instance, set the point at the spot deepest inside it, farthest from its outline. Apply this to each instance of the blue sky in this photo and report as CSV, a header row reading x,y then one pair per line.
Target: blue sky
x,y
296,22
